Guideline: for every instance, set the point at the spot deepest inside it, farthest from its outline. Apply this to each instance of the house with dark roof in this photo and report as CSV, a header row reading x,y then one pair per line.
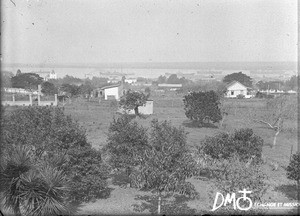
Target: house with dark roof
x,y
236,88
111,92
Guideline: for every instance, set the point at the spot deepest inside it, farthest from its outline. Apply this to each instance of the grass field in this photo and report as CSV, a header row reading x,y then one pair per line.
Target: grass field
x,y
95,117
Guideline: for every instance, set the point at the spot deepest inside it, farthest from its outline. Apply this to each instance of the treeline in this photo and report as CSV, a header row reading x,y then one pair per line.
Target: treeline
x,y
291,84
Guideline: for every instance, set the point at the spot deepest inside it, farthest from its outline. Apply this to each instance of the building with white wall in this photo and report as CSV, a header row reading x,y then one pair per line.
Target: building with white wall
x,y
112,92
236,88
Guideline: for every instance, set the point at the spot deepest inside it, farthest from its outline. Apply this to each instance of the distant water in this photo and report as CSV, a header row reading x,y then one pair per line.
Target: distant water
x,y
154,70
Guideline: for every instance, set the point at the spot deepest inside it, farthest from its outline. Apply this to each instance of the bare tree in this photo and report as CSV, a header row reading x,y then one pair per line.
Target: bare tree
x,y
277,110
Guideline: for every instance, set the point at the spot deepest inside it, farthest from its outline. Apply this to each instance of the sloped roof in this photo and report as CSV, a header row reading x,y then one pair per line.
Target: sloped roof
x,y
110,86
234,82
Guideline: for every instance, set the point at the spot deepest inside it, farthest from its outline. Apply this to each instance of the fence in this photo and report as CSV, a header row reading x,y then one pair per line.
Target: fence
x,y
15,102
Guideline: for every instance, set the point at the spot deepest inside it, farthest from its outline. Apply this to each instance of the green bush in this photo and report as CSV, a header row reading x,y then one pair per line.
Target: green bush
x,y
48,131
199,106
231,176
242,142
240,96
293,169
126,143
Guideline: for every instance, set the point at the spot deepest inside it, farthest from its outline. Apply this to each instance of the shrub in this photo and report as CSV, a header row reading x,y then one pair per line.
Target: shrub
x,y
242,142
126,143
167,164
48,131
232,175
293,169
30,185
199,106
240,96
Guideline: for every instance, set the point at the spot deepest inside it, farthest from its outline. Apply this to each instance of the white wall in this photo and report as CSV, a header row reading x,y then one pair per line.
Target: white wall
x,y
235,90
112,92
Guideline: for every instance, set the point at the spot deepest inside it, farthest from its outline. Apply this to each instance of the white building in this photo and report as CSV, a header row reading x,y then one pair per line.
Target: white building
x,y
112,92
130,80
236,88
46,75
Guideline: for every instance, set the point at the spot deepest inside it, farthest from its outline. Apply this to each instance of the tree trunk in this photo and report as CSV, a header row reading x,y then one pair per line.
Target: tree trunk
x,y
136,110
128,172
275,137
159,203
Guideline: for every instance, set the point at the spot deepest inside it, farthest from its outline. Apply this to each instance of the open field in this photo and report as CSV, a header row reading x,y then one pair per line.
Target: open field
x,y
95,118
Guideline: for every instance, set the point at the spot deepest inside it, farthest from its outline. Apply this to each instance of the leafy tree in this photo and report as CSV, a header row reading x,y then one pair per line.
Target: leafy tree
x,y
232,175
293,169
47,130
18,72
26,81
240,77
85,89
49,88
147,90
71,90
292,83
126,143
167,163
161,79
6,78
173,79
30,185
132,100
202,105
242,142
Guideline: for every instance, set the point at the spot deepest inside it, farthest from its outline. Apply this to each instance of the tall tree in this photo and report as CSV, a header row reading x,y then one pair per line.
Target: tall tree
x,y
6,78
167,163
240,77
126,143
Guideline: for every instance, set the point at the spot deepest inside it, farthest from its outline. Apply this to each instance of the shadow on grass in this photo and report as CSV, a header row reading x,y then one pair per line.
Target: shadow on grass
x,y
290,191
168,207
195,124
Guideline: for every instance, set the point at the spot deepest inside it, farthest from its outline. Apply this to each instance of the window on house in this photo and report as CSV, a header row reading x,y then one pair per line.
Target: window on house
x,y
232,92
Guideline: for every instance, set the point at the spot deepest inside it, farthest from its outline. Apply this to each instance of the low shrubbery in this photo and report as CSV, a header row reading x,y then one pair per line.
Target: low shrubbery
x,y
242,142
48,131
293,169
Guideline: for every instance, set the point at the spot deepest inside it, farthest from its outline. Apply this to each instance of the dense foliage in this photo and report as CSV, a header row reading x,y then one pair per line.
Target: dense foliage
x,y
167,163
231,176
47,130
126,143
49,88
199,106
240,77
33,185
293,169
26,81
242,142
132,100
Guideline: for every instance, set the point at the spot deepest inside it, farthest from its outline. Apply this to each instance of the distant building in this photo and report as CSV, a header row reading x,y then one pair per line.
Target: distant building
x,y
112,92
166,85
130,80
46,75
236,88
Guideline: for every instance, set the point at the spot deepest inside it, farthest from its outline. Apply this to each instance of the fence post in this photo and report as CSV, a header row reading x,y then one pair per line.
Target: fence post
x,y
39,95
55,99
30,99
13,98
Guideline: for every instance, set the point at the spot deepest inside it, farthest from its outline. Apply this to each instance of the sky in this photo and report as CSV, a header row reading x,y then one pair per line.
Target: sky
x,y
104,31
